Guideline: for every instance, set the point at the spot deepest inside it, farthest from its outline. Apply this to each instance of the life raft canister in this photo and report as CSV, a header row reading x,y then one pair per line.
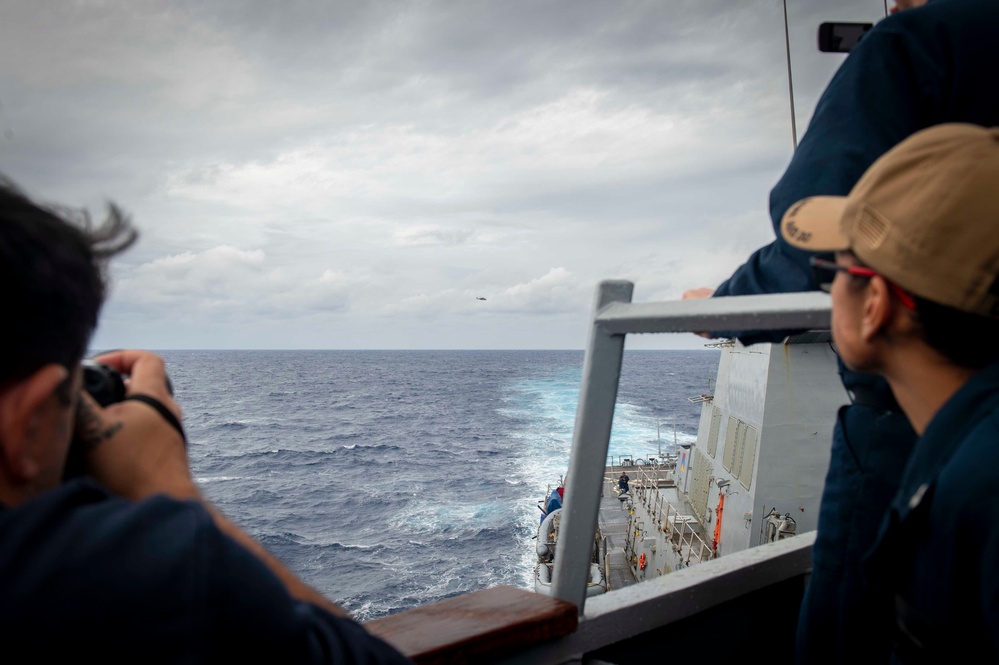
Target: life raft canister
x,y
641,562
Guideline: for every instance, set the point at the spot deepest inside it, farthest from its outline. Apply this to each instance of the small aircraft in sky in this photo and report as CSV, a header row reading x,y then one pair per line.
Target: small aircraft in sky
x,y
479,298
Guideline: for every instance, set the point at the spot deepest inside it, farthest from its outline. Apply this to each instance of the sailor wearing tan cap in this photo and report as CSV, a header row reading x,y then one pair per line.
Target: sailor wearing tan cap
x,y
915,292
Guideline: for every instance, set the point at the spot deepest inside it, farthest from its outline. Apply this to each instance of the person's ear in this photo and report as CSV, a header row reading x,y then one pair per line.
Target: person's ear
x,y
877,313
22,406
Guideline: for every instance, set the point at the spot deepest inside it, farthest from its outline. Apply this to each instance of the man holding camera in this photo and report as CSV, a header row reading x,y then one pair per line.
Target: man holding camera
x,y
129,563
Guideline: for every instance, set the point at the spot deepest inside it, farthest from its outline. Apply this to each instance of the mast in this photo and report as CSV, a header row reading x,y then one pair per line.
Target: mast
x,y
790,86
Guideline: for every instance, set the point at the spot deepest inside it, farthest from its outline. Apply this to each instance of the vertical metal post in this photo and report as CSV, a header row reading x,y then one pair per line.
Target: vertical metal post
x,y
659,441
590,441
790,86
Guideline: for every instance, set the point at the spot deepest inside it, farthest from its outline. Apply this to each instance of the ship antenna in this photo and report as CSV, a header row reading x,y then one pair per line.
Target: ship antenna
x,y
659,441
790,86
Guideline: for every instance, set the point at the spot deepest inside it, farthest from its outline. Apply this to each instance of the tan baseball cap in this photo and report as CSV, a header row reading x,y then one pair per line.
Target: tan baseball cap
x,y
925,215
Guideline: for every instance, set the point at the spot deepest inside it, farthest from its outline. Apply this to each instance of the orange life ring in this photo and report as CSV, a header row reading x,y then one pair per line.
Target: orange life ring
x,y
641,562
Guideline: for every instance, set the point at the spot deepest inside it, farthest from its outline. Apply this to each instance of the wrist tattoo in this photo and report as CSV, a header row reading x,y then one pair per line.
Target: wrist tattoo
x,y
91,430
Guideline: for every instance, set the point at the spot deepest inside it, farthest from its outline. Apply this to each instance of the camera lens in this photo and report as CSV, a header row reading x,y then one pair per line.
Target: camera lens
x,y
105,384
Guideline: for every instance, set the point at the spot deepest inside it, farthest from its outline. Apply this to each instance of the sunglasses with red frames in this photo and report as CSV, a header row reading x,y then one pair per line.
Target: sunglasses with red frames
x,y
825,271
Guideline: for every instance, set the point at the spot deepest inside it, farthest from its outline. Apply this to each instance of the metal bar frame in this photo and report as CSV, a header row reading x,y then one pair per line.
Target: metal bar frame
x,y
614,317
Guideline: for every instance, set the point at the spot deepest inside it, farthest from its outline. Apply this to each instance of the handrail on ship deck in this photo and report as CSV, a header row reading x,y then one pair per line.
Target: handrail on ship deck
x,y
667,518
614,317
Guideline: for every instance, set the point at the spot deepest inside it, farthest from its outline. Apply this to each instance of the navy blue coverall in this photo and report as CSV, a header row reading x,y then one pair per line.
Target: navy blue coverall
x,y
90,577
937,555
914,69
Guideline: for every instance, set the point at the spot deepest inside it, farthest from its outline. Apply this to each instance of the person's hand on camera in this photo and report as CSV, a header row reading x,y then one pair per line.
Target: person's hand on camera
x,y
132,449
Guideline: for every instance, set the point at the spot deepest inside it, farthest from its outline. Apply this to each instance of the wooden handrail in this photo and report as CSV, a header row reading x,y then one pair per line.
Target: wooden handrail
x,y
476,627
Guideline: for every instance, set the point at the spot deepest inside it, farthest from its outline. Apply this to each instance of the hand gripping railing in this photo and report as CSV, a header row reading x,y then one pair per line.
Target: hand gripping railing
x,y
614,317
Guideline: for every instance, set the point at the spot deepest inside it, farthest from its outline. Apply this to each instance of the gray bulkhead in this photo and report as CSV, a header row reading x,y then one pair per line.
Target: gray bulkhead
x,y
764,439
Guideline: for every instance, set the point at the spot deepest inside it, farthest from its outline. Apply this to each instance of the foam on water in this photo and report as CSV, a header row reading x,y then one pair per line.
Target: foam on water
x,y
390,479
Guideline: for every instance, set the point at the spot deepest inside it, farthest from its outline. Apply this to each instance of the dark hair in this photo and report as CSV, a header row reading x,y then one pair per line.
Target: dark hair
x,y
952,332
52,264
966,339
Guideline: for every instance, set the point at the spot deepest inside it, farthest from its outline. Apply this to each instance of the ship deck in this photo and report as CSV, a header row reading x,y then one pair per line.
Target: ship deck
x,y
614,514
613,521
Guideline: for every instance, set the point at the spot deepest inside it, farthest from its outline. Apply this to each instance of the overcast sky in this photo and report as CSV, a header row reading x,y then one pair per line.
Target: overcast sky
x,y
342,175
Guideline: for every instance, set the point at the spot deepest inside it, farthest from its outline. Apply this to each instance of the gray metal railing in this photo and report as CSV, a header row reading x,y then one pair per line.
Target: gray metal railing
x,y
614,317
669,520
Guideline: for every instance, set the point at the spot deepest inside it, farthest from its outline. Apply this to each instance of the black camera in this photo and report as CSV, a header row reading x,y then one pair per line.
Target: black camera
x,y
104,383
107,386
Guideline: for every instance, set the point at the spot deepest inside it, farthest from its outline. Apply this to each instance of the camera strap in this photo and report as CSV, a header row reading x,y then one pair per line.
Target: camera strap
x,y
162,410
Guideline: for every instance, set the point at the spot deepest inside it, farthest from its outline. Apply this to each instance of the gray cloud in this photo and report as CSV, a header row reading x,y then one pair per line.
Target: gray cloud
x,y
368,168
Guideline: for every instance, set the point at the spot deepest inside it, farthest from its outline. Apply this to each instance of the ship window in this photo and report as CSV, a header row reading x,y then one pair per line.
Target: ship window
x,y
700,481
728,455
748,456
740,440
716,418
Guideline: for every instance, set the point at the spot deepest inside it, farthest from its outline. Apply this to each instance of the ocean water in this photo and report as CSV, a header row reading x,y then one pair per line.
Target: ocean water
x,y
390,479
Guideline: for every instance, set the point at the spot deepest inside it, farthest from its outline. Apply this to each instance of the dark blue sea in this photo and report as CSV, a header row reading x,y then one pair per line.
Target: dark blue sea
x,y
390,479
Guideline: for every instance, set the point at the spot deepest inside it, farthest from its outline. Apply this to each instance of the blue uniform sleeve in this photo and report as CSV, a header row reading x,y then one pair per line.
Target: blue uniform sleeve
x,y
887,89
86,573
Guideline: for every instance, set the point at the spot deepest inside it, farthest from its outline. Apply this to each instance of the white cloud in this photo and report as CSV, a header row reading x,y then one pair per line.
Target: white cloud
x,y
558,290
570,138
226,281
432,235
